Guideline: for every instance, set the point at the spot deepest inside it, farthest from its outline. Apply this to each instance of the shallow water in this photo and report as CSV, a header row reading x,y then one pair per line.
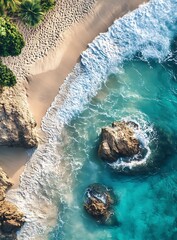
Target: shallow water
x,y
146,93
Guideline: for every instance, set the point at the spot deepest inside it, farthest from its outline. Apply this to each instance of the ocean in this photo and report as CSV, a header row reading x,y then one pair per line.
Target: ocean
x,y
127,73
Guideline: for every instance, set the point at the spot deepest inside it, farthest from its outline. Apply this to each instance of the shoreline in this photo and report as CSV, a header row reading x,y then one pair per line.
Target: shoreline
x,y
60,61
49,177
43,69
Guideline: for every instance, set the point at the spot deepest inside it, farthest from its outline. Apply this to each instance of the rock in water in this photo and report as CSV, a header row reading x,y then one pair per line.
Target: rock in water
x,y
118,141
98,203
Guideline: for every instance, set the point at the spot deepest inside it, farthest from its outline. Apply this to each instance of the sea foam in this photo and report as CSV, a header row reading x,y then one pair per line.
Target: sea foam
x,y
147,31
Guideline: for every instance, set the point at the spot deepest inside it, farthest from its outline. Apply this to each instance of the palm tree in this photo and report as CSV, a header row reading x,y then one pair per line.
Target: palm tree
x,y
31,12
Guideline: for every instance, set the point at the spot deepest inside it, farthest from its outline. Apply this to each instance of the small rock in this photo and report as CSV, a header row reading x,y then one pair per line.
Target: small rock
x,y
98,203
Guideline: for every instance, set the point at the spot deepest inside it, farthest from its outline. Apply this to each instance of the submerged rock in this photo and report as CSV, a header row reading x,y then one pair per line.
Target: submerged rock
x,y
11,219
118,141
98,203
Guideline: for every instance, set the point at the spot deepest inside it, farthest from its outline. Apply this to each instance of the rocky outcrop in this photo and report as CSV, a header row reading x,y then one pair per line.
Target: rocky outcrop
x,y
17,127
5,183
98,202
11,219
118,141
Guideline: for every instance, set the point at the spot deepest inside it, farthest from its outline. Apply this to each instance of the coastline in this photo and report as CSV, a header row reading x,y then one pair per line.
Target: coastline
x,y
46,69
39,152
59,62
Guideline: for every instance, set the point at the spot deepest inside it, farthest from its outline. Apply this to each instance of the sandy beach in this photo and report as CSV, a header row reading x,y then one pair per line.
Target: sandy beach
x,y
48,74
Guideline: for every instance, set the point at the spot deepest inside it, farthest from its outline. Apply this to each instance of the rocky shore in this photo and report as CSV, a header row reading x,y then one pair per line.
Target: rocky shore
x,y
11,219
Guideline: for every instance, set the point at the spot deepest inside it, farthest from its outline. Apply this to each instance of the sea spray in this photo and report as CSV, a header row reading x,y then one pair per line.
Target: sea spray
x,y
146,32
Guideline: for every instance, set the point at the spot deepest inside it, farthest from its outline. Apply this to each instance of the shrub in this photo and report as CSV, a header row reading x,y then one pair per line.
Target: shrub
x,y
46,5
11,40
7,78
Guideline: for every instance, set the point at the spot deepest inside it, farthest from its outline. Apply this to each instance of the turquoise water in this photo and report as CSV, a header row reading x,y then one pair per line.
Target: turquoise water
x,y
145,92
105,86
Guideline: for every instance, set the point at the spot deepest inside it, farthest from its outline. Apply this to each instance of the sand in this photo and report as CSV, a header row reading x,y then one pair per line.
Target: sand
x,y
48,73
13,161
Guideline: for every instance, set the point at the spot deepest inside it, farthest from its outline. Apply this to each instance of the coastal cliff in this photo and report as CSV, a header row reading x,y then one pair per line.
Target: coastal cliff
x,y
17,126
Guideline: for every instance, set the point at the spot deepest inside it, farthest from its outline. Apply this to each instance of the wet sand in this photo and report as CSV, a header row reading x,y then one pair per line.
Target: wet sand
x,y
13,161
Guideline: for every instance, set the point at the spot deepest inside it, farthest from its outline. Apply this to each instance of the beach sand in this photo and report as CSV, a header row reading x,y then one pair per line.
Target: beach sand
x,y
48,73
13,161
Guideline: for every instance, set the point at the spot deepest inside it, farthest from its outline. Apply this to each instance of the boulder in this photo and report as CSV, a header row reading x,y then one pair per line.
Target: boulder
x,y
98,203
118,141
11,219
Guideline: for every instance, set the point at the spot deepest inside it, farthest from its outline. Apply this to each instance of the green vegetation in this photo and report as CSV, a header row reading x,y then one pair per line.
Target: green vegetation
x,y
31,12
7,6
11,44
47,5
7,78
11,40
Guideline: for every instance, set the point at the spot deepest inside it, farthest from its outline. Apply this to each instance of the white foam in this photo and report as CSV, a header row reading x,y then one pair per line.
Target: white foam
x,y
47,176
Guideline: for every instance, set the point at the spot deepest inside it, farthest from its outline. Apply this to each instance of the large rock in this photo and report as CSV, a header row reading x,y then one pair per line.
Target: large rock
x,y
118,141
17,127
98,203
11,219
